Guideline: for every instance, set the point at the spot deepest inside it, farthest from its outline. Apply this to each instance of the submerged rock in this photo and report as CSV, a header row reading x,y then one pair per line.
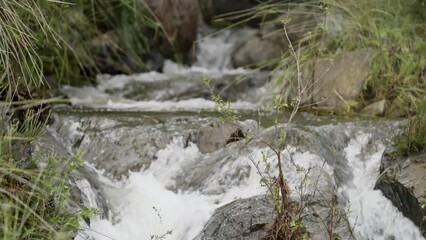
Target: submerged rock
x,y
404,184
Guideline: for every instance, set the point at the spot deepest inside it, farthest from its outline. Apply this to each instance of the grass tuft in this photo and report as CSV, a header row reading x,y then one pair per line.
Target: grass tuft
x,y
35,194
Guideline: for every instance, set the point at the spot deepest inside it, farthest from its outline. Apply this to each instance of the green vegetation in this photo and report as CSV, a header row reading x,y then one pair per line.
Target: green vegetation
x,y
412,139
35,195
396,31
71,41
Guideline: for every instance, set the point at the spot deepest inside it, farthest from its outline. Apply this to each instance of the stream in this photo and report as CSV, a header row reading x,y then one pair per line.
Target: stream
x,y
140,138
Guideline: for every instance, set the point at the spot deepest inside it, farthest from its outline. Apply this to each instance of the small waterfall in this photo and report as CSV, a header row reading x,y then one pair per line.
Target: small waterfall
x,y
372,216
138,132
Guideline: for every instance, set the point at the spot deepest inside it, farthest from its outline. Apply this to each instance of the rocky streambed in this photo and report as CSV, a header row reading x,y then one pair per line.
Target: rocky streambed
x,y
161,165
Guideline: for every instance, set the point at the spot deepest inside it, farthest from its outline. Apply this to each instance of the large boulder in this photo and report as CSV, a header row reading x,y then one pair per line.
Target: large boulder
x,y
404,184
333,84
251,219
241,219
339,83
272,42
179,19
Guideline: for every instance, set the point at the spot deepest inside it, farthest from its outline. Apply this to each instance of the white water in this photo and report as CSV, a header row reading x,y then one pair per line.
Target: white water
x,y
143,206
371,215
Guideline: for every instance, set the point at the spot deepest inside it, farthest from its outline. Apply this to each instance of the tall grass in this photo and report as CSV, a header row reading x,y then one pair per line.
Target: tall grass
x,y
394,30
35,196
24,27
71,41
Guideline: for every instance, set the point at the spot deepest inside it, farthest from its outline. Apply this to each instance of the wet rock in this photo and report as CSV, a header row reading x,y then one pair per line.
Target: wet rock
x,y
179,19
321,215
404,184
218,135
241,219
375,109
53,144
115,145
339,82
118,142
389,159
257,51
229,87
272,42
251,218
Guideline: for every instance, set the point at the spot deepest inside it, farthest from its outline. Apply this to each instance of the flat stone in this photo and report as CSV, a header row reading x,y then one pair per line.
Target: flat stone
x,y
340,82
375,109
217,136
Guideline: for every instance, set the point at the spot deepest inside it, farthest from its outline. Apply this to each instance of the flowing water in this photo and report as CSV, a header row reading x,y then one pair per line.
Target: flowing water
x,y
145,170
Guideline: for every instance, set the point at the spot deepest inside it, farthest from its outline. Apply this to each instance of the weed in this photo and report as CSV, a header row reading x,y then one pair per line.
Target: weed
x,y
412,139
35,194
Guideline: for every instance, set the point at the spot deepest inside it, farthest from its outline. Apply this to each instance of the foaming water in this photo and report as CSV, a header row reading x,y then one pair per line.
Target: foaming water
x,y
214,51
371,215
110,92
158,199
143,206
193,104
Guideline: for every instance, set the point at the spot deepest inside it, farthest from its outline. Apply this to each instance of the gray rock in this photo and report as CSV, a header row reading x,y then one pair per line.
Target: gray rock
x,y
404,184
375,109
257,51
321,216
218,135
179,20
241,219
251,218
272,41
339,83
53,144
388,159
